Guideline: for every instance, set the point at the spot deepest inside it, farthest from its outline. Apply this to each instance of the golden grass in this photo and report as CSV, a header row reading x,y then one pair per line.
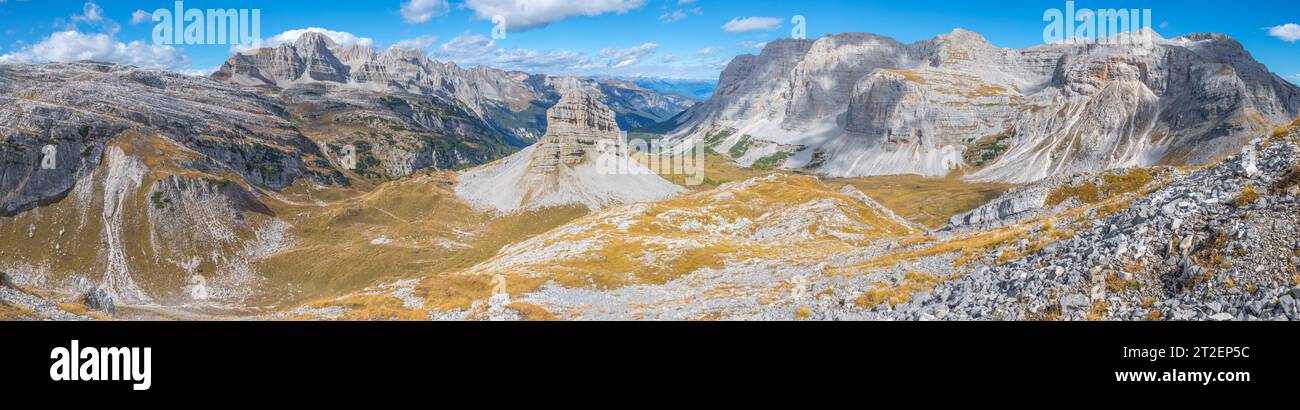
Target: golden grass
x,y
446,291
10,313
927,201
1116,284
969,256
1113,184
532,313
1247,196
373,308
1046,237
1287,129
972,243
987,91
802,313
657,243
916,240
882,292
908,75
718,170
80,309
619,263
1097,312
1155,314
432,233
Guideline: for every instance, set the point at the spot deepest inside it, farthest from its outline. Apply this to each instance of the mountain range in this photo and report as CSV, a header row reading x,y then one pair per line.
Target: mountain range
x,y
859,104
698,90
848,177
473,114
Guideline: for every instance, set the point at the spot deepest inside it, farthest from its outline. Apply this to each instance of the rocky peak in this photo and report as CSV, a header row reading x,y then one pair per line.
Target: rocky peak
x,y
959,37
575,127
857,104
581,112
312,40
958,47
562,168
1207,36
502,99
785,47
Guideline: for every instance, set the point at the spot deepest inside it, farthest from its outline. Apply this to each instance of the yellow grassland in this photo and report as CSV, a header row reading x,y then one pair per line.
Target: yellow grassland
x,y
927,201
346,240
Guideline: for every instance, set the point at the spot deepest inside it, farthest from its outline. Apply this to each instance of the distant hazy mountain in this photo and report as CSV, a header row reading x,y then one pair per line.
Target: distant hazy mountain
x,y
698,90
859,104
464,116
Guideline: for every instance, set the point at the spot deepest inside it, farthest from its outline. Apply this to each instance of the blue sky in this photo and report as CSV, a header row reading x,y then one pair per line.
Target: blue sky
x,y
659,38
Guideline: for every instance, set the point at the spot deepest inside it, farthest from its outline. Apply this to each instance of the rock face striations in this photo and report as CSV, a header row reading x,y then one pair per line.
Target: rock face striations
x,y
165,189
66,114
509,101
562,169
575,128
400,111
859,104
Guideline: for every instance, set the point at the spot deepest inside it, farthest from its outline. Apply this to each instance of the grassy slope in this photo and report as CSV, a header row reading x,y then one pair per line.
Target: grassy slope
x,y
927,201
422,229
656,242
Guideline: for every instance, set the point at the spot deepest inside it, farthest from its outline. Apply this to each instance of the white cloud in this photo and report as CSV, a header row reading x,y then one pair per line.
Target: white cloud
x,y
550,62
141,16
679,15
421,11
624,57
197,72
685,2
91,15
708,51
523,15
752,44
69,46
90,12
470,50
466,47
741,25
1289,32
343,38
418,43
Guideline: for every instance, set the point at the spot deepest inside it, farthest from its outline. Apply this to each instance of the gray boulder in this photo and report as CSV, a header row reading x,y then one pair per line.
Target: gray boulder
x,y
99,299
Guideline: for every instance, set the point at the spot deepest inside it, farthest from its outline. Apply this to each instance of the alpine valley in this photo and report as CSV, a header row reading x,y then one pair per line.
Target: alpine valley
x,y
848,177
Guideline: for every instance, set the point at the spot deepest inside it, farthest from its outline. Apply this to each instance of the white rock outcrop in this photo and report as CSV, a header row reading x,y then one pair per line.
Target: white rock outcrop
x,y
562,168
859,104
